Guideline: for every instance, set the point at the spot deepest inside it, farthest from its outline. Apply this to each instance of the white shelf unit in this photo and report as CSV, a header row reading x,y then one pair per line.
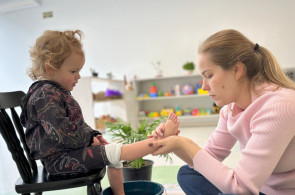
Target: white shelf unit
x,y
91,108
166,84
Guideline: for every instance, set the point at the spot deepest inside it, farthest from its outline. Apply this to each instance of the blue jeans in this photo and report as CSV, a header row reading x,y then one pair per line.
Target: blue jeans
x,y
193,183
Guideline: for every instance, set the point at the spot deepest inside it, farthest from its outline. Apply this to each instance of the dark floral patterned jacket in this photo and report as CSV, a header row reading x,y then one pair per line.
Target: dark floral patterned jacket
x,y
56,132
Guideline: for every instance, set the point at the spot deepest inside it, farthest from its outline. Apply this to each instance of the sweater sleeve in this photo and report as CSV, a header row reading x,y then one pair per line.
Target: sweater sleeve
x,y
272,129
62,121
220,143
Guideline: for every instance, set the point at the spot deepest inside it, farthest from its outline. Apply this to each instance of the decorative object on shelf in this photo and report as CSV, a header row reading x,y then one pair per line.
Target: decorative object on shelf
x,y
199,89
167,94
153,114
142,114
93,72
99,96
143,96
178,111
128,135
113,94
187,112
166,112
177,90
160,93
156,104
110,75
215,109
153,90
158,68
128,85
100,123
189,67
187,89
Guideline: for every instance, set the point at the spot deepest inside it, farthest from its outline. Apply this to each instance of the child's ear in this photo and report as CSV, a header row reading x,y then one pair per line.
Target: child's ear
x,y
48,68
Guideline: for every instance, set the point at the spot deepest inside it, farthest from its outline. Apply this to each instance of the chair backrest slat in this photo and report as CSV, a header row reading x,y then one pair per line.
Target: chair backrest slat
x,y
21,134
8,131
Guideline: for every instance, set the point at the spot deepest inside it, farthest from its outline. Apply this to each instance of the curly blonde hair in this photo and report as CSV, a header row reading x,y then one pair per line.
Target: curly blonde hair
x,y
52,48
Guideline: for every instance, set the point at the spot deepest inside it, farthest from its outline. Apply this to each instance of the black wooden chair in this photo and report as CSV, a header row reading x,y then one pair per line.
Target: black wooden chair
x,y
34,179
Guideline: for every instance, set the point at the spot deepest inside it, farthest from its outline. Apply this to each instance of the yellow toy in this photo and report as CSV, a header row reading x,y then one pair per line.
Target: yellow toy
x,y
153,114
201,91
166,112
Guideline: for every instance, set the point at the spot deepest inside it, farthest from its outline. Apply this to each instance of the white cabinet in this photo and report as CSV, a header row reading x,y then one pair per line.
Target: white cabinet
x,y
166,84
91,109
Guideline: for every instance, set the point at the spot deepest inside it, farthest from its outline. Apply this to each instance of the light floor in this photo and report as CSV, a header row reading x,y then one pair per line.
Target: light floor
x,y
163,172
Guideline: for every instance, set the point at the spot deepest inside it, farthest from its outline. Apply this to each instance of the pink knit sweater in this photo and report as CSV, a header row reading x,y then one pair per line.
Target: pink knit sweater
x,y
265,132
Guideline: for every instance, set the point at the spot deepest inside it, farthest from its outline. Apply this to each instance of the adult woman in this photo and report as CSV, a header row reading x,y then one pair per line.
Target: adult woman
x,y
258,109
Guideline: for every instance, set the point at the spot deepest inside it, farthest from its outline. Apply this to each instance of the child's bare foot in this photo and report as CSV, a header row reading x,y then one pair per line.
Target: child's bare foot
x,y
171,125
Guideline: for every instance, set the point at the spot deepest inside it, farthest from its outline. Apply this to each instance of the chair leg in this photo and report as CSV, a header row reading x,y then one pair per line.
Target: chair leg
x,y
93,189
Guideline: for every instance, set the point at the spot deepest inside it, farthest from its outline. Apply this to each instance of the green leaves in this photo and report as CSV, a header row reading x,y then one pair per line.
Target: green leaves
x,y
127,135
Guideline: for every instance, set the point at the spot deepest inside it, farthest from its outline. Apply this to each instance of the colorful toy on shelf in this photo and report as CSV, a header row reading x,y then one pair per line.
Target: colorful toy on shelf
x,y
215,109
166,112
177,90
113,94
187,89
199,89
142,114
178,112
160,93
153,91
167,94
153,114
201,111
187,112
196,112
143,96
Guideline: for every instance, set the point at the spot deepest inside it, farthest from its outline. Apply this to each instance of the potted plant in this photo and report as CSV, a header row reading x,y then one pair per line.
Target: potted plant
x,y
139,169
189,67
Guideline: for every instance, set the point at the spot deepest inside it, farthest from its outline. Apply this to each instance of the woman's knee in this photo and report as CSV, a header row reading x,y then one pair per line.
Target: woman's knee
x,y
185,175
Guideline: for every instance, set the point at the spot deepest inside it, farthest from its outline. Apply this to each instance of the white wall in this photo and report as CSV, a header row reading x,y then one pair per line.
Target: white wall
x,y
124,37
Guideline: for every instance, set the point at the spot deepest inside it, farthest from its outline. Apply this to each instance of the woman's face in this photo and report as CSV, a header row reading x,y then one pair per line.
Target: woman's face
x,y
221,84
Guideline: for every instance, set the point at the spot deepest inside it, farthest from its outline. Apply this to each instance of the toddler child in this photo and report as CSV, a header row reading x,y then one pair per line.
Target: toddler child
x,y
56,132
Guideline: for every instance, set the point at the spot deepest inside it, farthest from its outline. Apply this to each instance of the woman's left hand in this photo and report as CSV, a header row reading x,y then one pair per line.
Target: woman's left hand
x,y
166,145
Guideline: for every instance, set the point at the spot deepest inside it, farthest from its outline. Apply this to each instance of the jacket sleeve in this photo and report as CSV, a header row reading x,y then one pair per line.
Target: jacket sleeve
x,y
62,120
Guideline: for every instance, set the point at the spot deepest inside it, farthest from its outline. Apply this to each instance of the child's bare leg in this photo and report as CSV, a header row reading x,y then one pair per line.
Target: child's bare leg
x,y
116,180
171,125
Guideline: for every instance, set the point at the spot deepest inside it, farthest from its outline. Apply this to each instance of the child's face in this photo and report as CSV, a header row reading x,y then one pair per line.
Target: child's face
x,y
69,73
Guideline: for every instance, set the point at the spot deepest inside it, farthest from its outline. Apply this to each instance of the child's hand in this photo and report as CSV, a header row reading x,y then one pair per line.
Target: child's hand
x,y
96,142
101,140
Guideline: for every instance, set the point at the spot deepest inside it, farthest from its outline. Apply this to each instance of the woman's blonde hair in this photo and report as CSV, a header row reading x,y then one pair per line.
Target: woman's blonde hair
x,y
52,48
228,47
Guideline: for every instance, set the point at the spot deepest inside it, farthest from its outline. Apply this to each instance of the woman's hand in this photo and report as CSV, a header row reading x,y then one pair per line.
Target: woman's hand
x,y
159,132
166,145
183,147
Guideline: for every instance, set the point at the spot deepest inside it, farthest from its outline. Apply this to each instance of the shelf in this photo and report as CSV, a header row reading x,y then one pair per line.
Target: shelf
x,y
99,79
167,78
173,97
200,120
110,100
